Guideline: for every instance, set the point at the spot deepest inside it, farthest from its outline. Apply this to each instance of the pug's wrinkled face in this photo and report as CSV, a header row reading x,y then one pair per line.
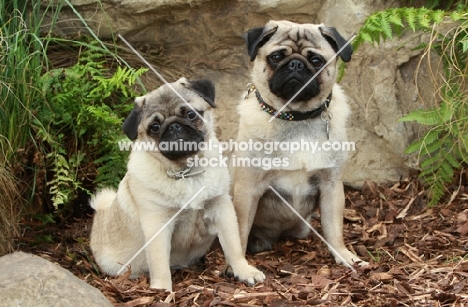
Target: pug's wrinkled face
x,y
287,55
163,118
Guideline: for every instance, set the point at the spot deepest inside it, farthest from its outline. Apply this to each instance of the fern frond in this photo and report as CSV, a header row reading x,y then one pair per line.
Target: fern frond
x,y
430,162
424,18
446,171
437,190
414,147
432,148
423,117
84,114
462,149
411,17
385,25
452,161
395,18
427,144
388,23
438,16
444,147
456,15
431,136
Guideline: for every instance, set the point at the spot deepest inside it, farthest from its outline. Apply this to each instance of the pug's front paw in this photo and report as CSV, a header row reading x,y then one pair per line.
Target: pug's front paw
x,y
245,273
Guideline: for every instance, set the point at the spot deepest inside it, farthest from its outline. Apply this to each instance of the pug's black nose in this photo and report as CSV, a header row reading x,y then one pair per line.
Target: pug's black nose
x,y
175,127
296,65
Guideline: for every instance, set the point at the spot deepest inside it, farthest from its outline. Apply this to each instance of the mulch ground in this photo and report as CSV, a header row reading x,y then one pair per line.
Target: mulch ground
x,y
418,257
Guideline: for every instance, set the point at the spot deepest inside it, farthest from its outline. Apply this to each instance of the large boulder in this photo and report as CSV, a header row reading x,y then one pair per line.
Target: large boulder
x,y
28,280
204,38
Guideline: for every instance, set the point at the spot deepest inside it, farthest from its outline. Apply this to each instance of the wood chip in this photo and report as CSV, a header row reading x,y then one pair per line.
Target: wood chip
x,y
142,301
408,253
381,276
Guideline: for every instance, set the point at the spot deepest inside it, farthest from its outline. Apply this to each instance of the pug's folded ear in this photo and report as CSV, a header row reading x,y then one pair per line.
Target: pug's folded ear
x,y
337,42
256,38
131,123
204,88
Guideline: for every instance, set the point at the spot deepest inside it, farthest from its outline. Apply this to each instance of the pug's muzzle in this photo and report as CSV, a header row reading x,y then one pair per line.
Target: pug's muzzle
x,y
291,74
180,140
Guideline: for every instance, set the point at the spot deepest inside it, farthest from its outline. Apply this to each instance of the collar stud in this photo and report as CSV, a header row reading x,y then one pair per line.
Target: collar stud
x,y
293,115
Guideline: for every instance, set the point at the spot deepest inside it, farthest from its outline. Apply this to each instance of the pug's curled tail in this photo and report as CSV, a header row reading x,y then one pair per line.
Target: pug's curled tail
x,y
103,199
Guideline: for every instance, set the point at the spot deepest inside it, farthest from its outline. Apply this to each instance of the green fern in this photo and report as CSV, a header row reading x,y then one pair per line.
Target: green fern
x,y
386,24
80,124
444,147
390,23
64,184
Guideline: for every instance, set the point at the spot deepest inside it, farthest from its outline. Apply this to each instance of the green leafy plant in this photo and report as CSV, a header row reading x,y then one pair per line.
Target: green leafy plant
x,y
393,22
22,59
444,147
22,56
79,126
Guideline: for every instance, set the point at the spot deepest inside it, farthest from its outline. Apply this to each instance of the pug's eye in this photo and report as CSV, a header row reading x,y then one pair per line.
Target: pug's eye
x,y
154,128
191,115
316,61
276,57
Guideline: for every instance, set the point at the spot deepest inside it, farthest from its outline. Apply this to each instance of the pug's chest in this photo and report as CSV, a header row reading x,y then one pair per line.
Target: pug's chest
x,y
193,235
289,137
194,224
296,189
297,183
299,152
192,192
195,227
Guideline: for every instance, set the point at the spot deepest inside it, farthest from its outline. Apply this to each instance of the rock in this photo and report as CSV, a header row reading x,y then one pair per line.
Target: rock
x,y
29,280
203,38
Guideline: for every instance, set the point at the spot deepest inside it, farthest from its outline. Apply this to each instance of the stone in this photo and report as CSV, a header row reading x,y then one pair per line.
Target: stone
x,y
28,280
203,38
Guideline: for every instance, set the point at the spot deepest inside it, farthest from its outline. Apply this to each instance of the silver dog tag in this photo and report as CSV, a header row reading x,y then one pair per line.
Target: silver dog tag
x,y
327,116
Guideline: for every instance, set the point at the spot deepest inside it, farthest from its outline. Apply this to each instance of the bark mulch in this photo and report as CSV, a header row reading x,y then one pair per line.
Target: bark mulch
x,y
418,257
